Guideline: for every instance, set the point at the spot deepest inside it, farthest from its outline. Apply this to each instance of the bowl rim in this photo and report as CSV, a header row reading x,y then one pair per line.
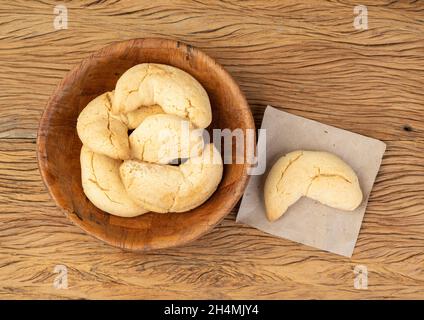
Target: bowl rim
x,y
44,126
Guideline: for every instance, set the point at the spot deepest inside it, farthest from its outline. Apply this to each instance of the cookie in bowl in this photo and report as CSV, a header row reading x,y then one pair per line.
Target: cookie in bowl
x,y
130,175
59,146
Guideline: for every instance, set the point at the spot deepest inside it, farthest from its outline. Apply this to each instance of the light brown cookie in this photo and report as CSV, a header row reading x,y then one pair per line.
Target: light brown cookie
x,y
176,91
165,188
134,118
103,186
102,131
162,138
321,176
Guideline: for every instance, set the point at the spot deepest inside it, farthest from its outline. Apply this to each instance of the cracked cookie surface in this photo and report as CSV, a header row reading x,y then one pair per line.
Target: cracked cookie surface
x,y
162,138
321,176
102,131
159,102
103,186
174,90
165,188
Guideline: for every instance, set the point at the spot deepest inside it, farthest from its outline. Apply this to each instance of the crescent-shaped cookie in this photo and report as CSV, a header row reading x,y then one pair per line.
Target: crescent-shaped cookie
x,y
165,188
162,138
321,176
103,186
176,91
102,131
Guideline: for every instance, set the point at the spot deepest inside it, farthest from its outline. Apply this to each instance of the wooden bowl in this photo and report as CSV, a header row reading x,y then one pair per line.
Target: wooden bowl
x,y
58,146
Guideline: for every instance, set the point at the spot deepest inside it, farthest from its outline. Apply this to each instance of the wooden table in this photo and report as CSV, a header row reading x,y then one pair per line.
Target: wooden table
x,y
305,57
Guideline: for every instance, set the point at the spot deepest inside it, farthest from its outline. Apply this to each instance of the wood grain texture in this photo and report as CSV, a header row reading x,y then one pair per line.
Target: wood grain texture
x,y
302,56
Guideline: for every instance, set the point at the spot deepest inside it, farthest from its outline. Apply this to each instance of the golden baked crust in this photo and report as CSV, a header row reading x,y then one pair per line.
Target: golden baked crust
x,y
162,138
102,131
321,176
103,186
134,118
172,188
168,109
173,89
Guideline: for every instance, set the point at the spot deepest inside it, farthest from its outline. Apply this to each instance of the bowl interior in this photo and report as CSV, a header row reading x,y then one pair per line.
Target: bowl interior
x,y
59,146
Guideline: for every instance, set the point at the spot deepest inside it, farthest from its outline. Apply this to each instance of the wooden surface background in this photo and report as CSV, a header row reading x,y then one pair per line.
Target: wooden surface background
x,y
302,56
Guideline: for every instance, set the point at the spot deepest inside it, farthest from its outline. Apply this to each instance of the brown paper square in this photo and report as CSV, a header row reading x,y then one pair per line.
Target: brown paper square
x,y
308,221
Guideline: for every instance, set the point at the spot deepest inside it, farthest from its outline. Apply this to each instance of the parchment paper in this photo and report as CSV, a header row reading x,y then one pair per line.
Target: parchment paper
x,y
308,221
